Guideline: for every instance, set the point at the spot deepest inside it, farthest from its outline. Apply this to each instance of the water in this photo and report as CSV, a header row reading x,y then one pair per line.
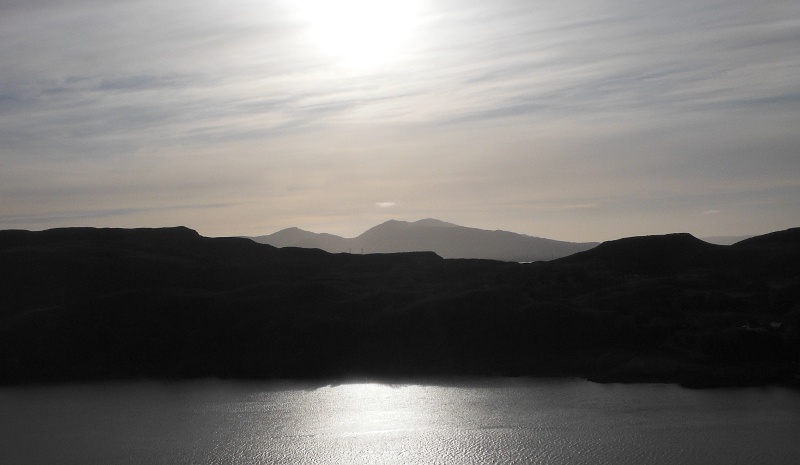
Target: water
x,y
472,421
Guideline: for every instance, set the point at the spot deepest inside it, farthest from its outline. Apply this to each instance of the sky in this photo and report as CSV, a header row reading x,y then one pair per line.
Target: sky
x,y
575,120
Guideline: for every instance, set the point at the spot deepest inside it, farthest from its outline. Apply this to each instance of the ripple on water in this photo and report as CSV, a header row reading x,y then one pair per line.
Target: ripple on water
x,y
501,421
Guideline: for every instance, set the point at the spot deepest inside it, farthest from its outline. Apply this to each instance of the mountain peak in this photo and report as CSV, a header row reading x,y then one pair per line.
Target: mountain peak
x,y
432,222
393,226
293,231
383,228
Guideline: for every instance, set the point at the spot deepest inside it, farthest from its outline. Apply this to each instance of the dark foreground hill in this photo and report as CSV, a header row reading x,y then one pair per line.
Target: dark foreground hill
x,y
445,239
88,304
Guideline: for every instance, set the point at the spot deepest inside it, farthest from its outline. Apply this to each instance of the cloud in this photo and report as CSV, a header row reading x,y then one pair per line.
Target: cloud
x,y
512,114
45,218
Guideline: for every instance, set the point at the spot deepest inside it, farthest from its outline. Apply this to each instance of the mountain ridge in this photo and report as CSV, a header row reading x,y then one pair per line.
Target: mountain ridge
x,y
445,239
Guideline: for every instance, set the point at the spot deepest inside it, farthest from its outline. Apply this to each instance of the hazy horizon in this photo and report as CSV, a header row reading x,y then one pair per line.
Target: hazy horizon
x,y
727,239
574,121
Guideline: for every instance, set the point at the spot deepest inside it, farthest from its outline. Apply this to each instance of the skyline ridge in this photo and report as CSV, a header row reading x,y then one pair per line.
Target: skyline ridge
x,y
718,240
447,240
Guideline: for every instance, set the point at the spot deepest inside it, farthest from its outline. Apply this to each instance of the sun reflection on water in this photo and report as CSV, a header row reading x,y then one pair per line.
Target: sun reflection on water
x,y
370,408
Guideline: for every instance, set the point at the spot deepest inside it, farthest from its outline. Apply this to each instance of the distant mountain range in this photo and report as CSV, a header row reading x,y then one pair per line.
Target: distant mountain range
x,y
447,240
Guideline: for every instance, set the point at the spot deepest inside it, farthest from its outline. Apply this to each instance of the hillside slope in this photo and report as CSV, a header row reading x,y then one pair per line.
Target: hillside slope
x,y
88,304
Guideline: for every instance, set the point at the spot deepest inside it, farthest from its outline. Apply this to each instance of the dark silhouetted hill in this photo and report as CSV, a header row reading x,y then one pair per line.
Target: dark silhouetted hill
x,y
98,304
775,254
787,238
445,239
661,254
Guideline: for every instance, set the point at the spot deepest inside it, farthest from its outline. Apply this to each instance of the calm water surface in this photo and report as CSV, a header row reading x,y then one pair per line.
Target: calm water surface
x,y
478,421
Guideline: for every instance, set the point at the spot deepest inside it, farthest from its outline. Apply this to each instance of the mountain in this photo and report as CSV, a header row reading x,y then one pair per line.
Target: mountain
x,y
786,238
771,254
445,239
81,304
652,254
296,237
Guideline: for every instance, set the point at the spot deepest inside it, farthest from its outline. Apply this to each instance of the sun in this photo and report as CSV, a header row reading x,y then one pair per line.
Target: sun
x,y
361,33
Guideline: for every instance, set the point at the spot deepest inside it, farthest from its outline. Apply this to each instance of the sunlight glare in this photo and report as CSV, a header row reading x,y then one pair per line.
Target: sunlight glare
x,y
361,33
